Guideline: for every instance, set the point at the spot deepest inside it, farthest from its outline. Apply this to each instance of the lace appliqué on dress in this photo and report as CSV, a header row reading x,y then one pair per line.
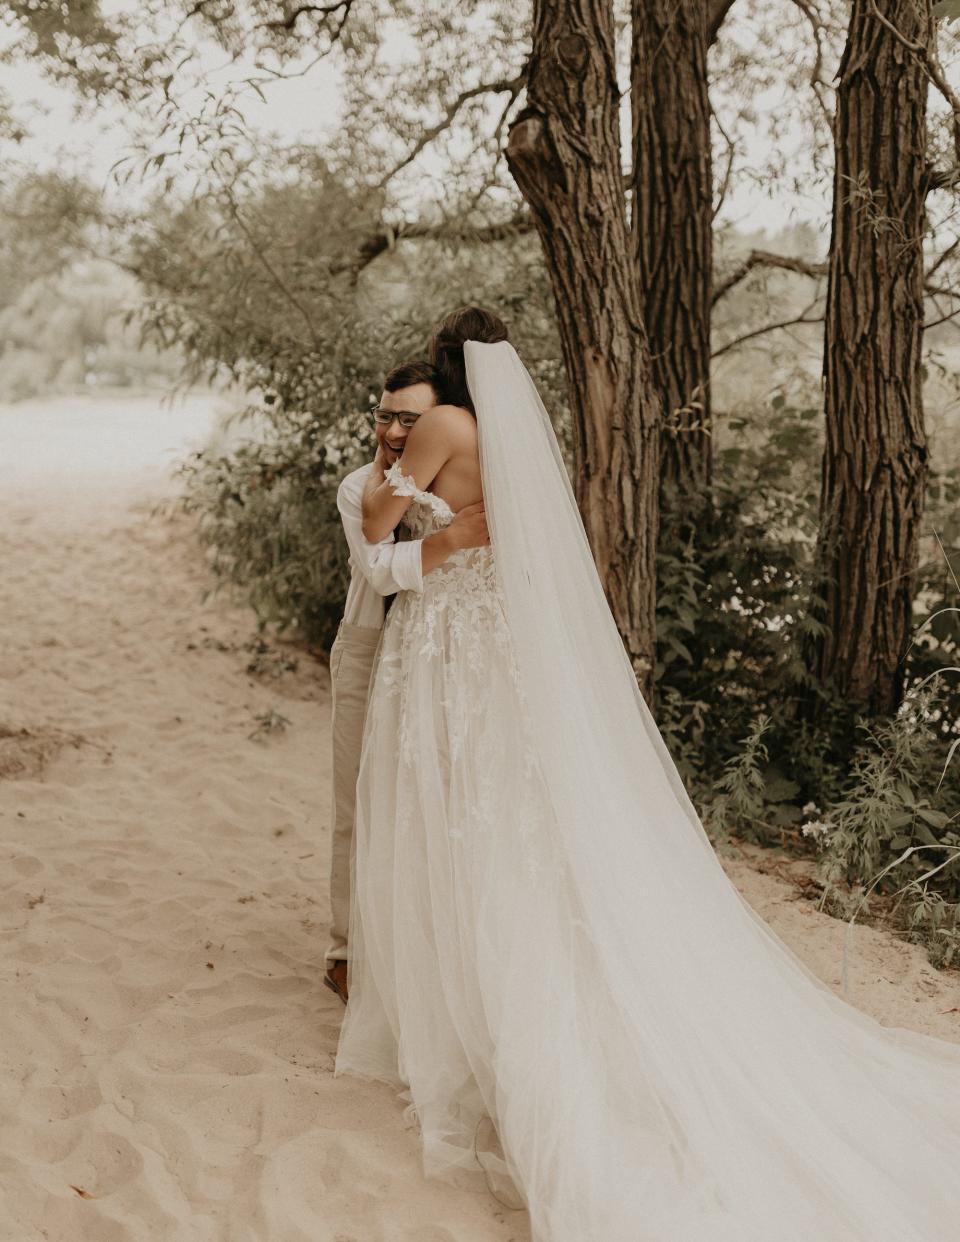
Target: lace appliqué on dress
x,y
457,621
429,513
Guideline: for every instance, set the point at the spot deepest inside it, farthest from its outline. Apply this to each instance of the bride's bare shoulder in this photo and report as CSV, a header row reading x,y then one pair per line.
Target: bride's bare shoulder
x,y
451,421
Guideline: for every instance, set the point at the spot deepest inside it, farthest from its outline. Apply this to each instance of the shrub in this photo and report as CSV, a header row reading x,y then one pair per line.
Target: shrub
x,y
896,831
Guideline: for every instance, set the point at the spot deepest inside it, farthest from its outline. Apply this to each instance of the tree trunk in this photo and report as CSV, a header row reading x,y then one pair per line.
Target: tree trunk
x,y
875,456
564,153
672,224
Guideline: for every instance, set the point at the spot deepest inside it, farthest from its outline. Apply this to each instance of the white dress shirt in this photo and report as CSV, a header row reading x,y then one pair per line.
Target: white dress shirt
x,y
376,569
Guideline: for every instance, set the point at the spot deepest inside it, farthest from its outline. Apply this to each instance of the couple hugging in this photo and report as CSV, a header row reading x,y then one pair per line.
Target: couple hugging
x,y
543,946
381,566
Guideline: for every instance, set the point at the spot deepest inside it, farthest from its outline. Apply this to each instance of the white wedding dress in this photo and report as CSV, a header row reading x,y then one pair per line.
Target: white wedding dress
x,y
545,945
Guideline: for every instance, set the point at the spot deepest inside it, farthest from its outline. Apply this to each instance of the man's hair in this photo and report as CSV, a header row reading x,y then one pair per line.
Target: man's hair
x,y
409,373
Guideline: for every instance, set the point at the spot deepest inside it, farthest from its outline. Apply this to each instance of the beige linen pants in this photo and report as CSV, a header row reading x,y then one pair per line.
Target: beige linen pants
x,y
351,666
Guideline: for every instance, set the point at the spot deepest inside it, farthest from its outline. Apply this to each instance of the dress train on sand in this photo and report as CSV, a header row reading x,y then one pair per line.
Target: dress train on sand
x,y
542,935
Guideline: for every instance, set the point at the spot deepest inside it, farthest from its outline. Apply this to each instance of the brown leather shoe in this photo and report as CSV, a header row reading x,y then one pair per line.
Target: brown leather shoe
x,y
336,979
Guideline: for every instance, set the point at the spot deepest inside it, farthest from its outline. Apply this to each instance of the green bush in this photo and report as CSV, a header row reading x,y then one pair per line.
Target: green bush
x,y
734,609
268,514
896,831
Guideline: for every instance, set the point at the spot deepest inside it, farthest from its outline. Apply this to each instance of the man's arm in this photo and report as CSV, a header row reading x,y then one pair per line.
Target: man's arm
x,y
467,530
387,565
390,566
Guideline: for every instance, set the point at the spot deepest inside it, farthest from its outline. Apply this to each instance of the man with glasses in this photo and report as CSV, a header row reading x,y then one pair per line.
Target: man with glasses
x,y
378,571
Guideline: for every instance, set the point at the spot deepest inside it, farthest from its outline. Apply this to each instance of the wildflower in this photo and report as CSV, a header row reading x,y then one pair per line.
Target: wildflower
x,y
811,808
908,716
816,828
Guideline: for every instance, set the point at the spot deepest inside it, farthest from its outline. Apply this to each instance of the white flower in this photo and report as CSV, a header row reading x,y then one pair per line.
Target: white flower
x,y
811,809
816,828
910,719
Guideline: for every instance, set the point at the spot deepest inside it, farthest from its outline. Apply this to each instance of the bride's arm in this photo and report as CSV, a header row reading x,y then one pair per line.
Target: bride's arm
x,y
429,446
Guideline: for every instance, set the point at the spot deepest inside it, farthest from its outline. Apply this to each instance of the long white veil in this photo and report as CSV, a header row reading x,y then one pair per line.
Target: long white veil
x,y
761,1107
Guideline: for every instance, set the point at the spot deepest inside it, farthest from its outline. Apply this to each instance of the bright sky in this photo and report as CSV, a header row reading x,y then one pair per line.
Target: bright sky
x,y
299,108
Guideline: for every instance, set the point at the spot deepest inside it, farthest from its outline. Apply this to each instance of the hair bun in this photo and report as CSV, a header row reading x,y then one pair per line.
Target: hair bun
x,y
445,350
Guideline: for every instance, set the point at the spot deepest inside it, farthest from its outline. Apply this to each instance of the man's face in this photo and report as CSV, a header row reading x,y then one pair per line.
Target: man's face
x,y
413,400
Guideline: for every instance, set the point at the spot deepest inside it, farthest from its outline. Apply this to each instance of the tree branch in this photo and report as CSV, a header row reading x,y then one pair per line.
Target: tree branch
x,y
943,291
511,85
816,271
325,10
770,327
943,178
196,11
387,238
943,318
764,258
277,75
817,83
942,257
728,171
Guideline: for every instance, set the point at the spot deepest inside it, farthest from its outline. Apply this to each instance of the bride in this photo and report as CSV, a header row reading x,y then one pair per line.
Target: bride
x,y
544,942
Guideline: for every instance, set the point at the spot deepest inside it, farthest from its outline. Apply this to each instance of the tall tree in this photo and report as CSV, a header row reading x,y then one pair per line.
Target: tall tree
x,y
564,153
875,455
672,221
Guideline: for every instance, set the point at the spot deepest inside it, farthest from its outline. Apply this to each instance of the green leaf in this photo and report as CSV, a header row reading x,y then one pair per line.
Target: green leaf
x,y
905,794
936,819
780,788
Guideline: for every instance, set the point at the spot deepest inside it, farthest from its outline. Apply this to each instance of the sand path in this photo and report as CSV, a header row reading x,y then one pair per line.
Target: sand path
x,y
166,1047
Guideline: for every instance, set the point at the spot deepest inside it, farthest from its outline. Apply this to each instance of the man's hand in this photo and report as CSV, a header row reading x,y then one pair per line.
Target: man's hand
x,y
469,528
375,477
382,461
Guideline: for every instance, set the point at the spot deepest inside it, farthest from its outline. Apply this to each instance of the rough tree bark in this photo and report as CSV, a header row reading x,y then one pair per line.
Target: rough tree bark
x,y
564,153
672,224
875,456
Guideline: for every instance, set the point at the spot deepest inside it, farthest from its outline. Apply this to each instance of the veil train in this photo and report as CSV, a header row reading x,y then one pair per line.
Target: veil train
x,y
806,1116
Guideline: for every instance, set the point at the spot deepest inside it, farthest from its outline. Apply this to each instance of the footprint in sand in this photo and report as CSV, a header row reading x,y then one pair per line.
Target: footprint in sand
x,y
430,1233
227,1061
103,1163
109,888
54,1102
26,864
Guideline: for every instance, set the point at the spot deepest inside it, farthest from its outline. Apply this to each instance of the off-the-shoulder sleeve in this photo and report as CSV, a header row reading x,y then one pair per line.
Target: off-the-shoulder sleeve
x,y
401,484
404,485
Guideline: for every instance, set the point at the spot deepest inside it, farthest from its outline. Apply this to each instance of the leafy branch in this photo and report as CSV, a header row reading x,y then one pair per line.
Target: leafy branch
x,y
512,86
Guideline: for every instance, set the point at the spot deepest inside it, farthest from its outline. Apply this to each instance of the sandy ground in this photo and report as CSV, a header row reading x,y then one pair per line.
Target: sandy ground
x,y
166,1046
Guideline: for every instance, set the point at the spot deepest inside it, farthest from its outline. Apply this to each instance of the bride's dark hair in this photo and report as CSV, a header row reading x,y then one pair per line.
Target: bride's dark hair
x,y
445,349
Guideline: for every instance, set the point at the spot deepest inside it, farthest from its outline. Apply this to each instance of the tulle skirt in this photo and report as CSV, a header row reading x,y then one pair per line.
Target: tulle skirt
x,y
691,1083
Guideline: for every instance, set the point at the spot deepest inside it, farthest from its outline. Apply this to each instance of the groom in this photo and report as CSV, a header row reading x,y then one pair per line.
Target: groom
x,y
378,571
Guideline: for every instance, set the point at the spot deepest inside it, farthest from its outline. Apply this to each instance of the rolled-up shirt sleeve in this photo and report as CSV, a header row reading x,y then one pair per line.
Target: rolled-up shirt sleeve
x,y
389,566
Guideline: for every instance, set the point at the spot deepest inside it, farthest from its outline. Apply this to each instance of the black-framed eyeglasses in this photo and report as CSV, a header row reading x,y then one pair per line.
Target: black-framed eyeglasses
x,y
385,417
